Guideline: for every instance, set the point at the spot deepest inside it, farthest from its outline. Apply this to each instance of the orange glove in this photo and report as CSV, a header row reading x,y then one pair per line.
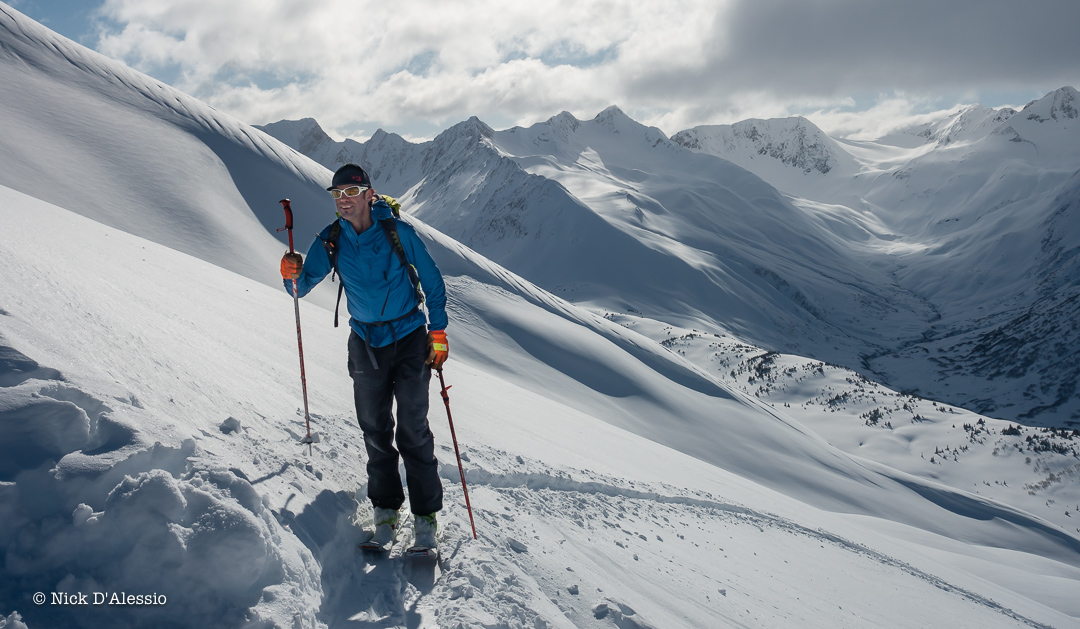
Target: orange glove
x,y
438,349
292,264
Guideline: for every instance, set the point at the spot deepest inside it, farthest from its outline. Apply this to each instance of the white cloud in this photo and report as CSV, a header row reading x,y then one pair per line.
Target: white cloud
x,y
358,65
889,113
841,118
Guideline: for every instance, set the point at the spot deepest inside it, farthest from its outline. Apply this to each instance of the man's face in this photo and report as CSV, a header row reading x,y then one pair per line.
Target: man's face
x,y
353,207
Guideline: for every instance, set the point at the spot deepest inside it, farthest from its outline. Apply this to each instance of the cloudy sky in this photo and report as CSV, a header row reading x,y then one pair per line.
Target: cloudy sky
x,y
854,67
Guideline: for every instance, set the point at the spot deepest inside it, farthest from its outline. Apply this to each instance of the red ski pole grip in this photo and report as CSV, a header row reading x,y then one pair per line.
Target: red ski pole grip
x,y
288,212
288,220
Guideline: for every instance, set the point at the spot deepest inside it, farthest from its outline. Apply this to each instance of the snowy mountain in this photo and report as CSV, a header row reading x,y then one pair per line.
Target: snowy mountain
x,y
993,223
976,209
884,256
967,125
149,401
724,249
793,142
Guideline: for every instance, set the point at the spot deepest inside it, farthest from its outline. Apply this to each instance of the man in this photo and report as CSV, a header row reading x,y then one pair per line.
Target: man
x,y
391,352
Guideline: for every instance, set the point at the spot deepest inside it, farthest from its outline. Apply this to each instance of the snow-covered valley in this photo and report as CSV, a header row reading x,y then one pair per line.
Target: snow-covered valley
x,y
625,469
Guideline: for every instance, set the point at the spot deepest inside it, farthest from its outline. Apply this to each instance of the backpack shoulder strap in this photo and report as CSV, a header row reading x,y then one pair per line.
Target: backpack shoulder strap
x,y
330,243
389,227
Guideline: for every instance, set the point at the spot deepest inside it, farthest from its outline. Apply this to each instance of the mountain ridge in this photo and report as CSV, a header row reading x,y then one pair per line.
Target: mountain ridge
x,y
123,104
881,214
795,142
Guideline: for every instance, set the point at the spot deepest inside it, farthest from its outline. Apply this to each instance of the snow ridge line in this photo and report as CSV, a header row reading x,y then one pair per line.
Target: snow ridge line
x,y
536,481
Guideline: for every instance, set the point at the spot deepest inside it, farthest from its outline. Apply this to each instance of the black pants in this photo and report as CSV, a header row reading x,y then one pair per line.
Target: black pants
x,y
403,377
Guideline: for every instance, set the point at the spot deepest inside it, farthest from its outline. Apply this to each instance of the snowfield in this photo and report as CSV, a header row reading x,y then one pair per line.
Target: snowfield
x,y
155,452
625,470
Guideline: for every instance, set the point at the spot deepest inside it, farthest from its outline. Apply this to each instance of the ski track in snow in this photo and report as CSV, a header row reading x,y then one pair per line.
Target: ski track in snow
x,y
552,498
506,578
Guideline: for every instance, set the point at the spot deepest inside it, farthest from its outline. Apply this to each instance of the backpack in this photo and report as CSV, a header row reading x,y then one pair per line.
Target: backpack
x,y
389,227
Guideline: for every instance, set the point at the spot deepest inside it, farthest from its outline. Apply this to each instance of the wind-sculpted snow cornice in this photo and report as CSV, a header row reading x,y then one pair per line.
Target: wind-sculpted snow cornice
x,y
72,63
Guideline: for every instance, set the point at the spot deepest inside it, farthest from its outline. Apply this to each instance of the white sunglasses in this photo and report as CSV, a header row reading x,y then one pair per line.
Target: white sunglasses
x,y
351,191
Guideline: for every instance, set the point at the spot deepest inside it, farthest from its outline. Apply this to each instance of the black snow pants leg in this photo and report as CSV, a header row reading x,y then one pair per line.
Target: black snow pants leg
x,y
401,377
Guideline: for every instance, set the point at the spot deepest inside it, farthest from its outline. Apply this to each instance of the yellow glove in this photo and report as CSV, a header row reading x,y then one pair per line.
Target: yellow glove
x,y
292,264
438,349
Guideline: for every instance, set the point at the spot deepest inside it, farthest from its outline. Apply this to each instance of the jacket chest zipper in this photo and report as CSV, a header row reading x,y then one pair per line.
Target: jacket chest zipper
x,y
387,298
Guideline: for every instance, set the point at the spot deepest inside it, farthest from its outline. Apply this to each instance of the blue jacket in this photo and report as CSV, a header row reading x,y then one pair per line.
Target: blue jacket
x,y
377,286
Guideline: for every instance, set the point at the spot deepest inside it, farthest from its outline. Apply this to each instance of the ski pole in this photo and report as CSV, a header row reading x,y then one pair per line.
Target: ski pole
x,y
299,340
446,401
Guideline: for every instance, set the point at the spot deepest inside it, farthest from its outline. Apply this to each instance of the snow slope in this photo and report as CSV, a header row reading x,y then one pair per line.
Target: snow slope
x,y
180,443
148,398
177,171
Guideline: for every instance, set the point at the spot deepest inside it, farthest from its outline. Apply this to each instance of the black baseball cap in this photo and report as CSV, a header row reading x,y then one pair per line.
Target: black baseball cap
x,y
350,174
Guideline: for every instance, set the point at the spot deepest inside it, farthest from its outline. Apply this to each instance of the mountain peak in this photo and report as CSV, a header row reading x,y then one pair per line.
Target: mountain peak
x,y
464,136
968,125
381,136
563,120
1057,105
611,111
615,119
794,141
472,126
305,134
560,127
